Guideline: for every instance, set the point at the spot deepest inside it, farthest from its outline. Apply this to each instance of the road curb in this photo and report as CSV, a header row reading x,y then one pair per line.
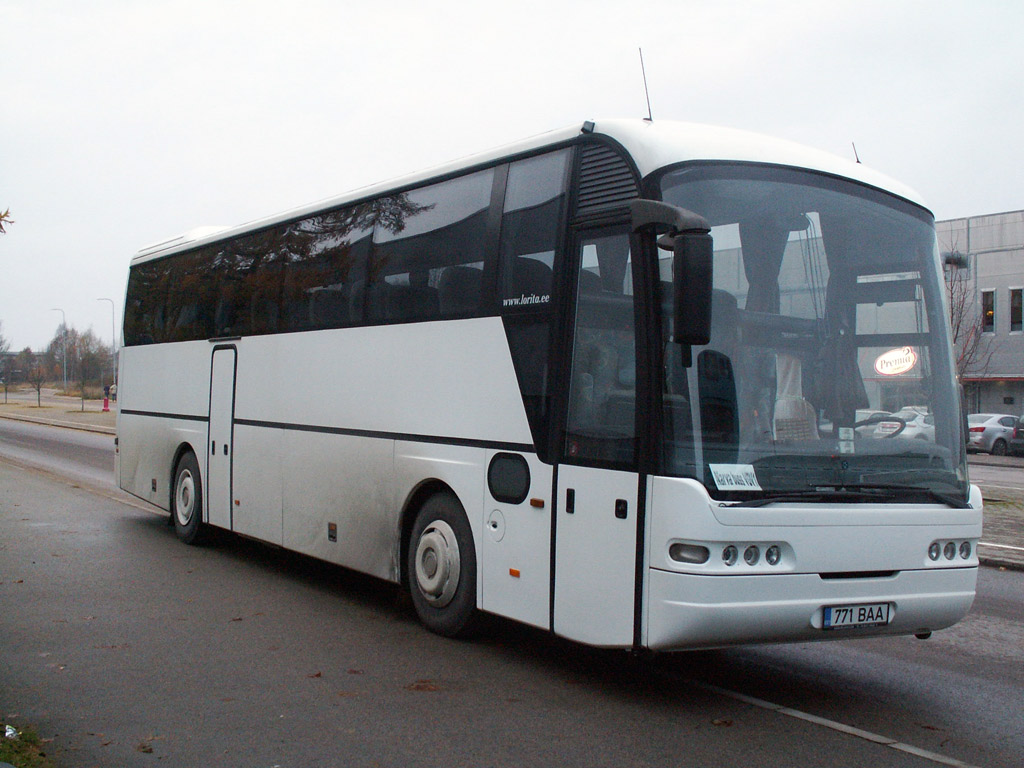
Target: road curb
x,y
1001,563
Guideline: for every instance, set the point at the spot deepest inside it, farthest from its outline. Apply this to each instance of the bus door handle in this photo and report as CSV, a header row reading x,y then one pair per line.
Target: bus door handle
x,y
570,501
213,448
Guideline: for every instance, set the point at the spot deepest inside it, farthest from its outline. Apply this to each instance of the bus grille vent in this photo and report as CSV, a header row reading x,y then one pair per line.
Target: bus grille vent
x,y
606,181
858,575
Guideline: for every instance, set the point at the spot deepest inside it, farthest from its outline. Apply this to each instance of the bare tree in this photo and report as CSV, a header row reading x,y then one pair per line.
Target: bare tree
x,y
972,349
36,373
87,354
5,218
23,362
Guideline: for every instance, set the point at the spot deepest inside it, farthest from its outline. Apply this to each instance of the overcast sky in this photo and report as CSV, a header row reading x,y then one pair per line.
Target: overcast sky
x,y
124,122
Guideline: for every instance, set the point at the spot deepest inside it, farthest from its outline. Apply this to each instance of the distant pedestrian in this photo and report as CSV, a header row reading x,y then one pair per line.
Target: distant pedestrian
x,y
113,392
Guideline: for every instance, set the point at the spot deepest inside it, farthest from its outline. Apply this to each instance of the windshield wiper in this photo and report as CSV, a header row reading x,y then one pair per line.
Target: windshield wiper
x,y
820,493
949,498
852,493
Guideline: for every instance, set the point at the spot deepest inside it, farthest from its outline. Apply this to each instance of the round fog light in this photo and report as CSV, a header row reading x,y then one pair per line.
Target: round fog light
x,y
965,550
730,555
949,550
773,554
751,555
934,550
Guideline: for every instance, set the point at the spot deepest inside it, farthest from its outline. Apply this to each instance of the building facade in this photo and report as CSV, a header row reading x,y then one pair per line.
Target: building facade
x,y
987,307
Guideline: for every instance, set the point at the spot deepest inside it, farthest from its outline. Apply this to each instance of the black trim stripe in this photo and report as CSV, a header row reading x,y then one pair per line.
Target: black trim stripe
x,y
403,436
159,415
640,567
381,435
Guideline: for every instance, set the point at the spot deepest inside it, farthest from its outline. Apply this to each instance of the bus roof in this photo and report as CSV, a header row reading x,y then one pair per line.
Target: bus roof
x,y
652,145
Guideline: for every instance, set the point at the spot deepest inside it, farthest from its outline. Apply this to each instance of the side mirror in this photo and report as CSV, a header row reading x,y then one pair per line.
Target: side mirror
x,y
688,236
691,287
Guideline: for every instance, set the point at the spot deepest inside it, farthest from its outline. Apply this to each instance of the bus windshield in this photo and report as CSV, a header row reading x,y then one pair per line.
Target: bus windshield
x,y
829,369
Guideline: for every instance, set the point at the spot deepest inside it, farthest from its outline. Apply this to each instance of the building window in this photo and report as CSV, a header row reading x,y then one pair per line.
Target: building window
x,y
988,311
1016,309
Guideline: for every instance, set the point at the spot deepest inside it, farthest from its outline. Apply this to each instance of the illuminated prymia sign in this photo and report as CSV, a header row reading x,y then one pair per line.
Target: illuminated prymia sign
x,y
896,361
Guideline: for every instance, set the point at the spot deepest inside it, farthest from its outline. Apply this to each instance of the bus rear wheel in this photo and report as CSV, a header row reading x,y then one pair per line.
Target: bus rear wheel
x,y
441,565
187,500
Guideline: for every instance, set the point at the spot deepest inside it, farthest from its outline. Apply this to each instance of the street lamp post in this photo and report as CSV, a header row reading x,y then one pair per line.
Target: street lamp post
x,y
64,343
113,341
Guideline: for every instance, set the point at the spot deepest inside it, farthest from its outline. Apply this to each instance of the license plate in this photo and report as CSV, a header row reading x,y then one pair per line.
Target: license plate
x,y
843,616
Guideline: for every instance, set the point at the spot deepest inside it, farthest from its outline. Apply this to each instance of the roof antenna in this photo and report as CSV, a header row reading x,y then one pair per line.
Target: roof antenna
x,y
855,152
650,117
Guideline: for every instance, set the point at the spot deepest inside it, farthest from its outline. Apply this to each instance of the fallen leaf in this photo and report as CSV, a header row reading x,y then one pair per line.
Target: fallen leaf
x,y
316,674
355,671
422,685
722,723
144,747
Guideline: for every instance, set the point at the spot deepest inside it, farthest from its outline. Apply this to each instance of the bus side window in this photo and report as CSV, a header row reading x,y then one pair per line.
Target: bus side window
x,y
425,233
324,270
531,230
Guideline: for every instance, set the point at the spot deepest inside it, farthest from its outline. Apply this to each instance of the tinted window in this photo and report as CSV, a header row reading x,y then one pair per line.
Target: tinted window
x,y
534,207
429,248
190,295
418,255
324,269
144,307
602,388
531,230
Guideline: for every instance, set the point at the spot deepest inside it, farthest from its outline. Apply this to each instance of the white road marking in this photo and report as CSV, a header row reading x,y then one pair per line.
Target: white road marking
x,y
859,733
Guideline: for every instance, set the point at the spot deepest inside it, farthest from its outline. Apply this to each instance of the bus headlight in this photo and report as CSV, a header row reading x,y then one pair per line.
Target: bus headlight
x,y
965,550
949,550
773,554
934,550
695,554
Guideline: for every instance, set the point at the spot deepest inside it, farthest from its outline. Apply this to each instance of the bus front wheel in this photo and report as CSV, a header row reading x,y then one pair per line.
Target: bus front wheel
x,y
442,567
187,500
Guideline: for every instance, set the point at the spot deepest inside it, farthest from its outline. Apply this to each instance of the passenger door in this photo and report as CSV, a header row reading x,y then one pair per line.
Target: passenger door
x,y
220,450
598,489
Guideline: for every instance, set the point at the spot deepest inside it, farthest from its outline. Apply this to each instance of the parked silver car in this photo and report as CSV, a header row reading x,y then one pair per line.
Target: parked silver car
x,y
990,432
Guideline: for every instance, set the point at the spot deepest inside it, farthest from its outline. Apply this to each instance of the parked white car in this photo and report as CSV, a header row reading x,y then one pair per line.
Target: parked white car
x,y
868,419
908,423
990,432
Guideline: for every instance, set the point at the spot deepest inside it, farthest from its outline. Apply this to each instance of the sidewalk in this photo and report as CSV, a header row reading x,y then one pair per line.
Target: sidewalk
x,y
1002,541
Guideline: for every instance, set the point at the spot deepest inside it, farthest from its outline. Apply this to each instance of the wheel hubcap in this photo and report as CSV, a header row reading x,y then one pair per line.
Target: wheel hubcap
x,y
184,498
437,564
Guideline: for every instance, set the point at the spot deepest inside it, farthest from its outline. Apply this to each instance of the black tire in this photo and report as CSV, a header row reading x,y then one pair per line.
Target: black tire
x,y
187,500
441,566
999,448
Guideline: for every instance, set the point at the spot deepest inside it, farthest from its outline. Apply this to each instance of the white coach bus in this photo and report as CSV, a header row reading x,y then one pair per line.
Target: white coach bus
x,y
630,382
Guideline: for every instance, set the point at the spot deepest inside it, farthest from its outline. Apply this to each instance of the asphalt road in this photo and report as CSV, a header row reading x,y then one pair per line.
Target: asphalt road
x,y
129,648
85,455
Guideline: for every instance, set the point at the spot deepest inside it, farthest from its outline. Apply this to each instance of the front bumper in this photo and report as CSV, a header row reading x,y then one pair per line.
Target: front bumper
x,y
687,611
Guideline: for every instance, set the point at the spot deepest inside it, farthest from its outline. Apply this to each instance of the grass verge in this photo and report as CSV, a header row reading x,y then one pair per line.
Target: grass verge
x,y
26,750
